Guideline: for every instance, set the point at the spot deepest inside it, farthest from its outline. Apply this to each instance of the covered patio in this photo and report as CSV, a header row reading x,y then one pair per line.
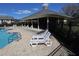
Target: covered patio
x,y
46,19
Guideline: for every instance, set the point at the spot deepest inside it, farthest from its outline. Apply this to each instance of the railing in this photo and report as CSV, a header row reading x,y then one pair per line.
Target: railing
x,y
68,52
55,51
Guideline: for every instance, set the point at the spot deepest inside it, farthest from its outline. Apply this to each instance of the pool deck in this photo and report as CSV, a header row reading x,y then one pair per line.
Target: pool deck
x,y
21,47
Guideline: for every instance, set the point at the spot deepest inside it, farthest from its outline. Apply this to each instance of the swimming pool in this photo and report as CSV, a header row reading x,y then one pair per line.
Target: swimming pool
x,y
8,37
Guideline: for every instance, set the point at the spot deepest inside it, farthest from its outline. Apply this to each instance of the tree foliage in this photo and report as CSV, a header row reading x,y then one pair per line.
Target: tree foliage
x,y
71,9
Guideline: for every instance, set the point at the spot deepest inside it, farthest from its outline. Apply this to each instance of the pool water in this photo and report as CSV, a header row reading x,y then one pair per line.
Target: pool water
x,y
6,37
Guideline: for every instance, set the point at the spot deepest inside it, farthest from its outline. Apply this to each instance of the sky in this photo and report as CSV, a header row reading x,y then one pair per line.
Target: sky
x,y
20,10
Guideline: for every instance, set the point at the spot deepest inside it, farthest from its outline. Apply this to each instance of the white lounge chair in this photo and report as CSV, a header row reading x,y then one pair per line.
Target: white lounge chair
x,y
40,38
27,26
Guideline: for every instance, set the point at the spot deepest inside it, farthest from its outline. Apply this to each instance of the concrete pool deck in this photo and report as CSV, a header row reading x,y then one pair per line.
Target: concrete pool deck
x,y
21,47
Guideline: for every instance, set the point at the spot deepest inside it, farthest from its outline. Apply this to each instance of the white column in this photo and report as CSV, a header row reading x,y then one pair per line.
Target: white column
x,y
38,24
32,24
58,20
22,25
27,24
4,25
47,23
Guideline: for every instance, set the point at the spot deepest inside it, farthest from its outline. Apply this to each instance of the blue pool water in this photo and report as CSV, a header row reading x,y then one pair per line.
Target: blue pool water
x,y
6,37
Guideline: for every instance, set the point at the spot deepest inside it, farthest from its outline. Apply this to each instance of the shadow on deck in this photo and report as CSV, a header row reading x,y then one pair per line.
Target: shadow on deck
x,y
70,41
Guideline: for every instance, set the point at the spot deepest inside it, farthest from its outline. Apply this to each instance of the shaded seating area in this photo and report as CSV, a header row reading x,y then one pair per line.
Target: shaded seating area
x,y
46,19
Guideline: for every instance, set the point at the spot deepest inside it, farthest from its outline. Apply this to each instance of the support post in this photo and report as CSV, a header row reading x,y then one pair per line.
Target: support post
x,y
32,23
47,23
57,23
27,24
38,24
62,24
58,20
22,25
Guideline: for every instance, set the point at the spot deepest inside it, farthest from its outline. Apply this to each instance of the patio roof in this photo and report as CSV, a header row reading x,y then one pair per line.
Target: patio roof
x,y
45,12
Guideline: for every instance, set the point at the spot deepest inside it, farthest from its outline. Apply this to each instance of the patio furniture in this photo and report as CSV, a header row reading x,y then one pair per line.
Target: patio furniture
x,y
42,38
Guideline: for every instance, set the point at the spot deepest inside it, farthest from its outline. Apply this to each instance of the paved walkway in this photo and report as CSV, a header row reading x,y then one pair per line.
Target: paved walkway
x,y
21,47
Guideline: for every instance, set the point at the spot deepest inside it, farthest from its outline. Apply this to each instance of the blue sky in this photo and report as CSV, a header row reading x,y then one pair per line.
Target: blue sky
x,y
19,10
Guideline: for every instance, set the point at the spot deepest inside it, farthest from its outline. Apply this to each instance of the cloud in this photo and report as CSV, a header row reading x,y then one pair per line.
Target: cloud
x,y
45,4
35,9
23,12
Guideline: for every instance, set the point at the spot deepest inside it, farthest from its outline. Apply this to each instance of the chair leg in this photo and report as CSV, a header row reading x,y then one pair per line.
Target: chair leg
x,y
48,43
